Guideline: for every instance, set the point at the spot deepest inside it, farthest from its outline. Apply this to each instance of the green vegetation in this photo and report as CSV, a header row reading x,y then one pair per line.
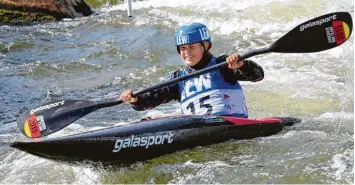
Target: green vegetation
x,y
99,3
21,18
17,17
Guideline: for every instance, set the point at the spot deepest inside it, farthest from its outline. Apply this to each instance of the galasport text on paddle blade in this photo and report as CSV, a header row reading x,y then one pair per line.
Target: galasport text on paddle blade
x,y
322,33
53,116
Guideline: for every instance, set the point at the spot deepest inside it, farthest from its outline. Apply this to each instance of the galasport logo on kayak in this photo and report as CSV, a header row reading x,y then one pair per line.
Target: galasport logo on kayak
x,y
46,107
317,22
144,141
338,33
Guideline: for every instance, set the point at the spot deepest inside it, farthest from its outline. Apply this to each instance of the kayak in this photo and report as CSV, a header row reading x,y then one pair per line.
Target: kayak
x,y
148,139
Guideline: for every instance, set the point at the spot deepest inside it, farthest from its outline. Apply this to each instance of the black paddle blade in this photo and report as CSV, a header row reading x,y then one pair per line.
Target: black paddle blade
x,y
53,116
322,33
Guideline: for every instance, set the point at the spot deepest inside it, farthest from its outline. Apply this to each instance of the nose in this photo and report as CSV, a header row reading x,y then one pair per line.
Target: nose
x,y
186,51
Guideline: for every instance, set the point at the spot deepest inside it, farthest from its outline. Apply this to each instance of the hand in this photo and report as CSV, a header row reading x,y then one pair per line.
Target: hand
x,y
126,96
232,62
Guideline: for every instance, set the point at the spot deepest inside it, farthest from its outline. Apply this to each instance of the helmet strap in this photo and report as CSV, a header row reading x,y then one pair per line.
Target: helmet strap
x,y
203,46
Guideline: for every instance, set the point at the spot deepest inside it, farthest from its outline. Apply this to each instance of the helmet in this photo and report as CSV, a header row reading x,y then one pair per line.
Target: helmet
x,y
191,33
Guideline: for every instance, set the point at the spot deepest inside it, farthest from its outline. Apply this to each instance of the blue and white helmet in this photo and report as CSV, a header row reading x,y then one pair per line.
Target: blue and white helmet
x,y
191,33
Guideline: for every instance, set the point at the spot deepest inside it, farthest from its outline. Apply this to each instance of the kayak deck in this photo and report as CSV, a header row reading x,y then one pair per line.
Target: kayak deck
x,y
152,138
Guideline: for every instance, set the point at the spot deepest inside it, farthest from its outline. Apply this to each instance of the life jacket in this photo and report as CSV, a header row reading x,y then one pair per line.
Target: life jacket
x,y
209,94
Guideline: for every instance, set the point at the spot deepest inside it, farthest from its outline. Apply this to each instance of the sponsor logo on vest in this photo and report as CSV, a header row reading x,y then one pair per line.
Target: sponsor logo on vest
x,y
144,141
317,22
46,107
197,84
228,107
225,96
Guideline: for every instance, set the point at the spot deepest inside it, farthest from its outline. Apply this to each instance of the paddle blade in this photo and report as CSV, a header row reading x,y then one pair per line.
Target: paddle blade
x,y
53,116
322,33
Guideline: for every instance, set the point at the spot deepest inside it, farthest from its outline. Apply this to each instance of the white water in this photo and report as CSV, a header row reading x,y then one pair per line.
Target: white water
x,y
317,87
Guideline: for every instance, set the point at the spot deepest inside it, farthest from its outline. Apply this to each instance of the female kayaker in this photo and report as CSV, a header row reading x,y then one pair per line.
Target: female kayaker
x,y
214,93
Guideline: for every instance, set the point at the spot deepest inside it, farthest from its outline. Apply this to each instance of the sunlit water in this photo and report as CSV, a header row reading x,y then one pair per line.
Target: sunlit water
x,y
98,57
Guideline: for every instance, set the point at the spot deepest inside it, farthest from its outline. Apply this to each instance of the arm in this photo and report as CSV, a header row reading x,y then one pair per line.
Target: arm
x,y
249,71
154,98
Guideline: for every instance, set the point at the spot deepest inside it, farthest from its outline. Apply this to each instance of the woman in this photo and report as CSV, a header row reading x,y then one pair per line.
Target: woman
x,y
214,93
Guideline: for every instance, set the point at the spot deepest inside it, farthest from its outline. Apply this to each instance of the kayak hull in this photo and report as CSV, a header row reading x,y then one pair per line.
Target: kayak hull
x,y
149,139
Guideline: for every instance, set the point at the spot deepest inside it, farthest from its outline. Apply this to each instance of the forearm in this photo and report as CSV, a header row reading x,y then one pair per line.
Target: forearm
x,y
250,71
152,99
144,102
147,101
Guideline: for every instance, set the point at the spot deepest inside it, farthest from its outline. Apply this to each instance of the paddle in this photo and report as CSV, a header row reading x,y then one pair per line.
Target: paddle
x,y
319,34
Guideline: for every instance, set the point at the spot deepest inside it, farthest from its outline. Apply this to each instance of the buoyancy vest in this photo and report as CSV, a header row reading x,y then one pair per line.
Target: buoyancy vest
x,y
210,94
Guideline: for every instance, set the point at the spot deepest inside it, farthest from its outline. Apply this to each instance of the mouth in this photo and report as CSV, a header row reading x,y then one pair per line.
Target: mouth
x,y
189,57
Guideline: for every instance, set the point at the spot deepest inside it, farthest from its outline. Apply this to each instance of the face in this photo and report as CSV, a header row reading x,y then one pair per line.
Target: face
x,y
191,54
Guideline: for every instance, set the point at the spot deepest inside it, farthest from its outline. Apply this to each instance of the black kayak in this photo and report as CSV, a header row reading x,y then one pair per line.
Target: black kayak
x,y
152,138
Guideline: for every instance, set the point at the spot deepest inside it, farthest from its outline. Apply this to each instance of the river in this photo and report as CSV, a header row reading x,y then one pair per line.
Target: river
x,y
97,57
